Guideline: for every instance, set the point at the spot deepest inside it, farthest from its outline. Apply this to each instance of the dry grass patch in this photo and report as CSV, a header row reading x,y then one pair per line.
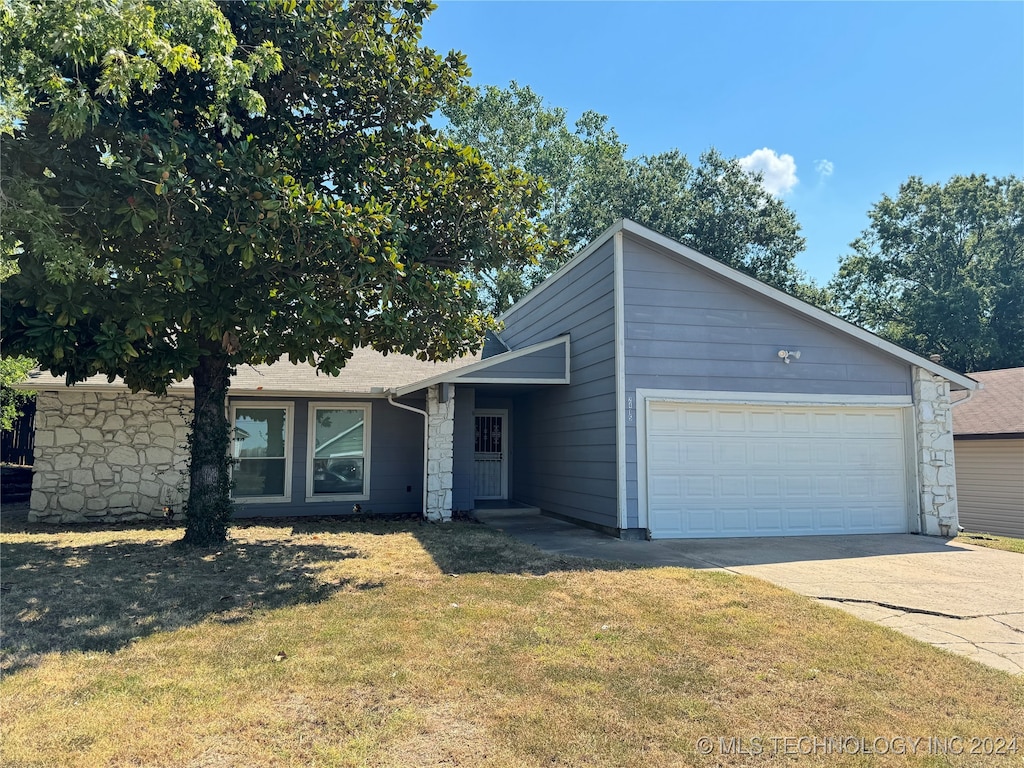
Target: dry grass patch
x,y
993,541
410,645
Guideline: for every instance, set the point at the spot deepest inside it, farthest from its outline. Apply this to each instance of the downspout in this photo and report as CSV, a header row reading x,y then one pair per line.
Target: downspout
x,y
426,424
952,405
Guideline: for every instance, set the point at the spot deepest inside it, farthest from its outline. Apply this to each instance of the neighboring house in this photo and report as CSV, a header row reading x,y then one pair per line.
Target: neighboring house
x,y
988,433
644,389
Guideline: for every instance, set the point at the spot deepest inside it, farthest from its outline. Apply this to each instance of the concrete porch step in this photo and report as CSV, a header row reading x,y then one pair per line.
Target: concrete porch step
x,y
489,513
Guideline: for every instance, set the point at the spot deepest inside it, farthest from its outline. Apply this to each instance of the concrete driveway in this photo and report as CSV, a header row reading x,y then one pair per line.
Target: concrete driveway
x,y
966,599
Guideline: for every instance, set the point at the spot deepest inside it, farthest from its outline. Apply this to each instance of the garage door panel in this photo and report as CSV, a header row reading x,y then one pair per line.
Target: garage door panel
x,y
887,485
668,521
766,487
732,421
858,453
728,454
796,423
798,487
828,454
831,519
665,418
890,454
700,486
826,423
698,419
855,424
765,421
796,453
891,518
733,486
698,450
857,487
828,486
731,470
800,519
664,486
862,518
763,453
735,521
701,520
768,521
666,452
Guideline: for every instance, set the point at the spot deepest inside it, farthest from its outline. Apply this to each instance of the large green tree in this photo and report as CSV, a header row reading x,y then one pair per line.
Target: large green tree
x,y
940,270
190,186
714,206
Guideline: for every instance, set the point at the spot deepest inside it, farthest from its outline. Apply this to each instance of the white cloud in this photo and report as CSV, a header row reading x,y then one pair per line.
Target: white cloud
x,y
824,168
778,171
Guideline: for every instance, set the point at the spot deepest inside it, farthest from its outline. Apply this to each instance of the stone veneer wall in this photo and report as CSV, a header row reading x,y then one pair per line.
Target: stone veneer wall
x,y
109,456
936,470
440,454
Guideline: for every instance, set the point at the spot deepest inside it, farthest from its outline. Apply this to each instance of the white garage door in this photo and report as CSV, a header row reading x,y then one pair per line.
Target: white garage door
x,y
717,470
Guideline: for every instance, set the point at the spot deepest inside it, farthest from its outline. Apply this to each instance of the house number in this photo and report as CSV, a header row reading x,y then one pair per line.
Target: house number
x,y
629,409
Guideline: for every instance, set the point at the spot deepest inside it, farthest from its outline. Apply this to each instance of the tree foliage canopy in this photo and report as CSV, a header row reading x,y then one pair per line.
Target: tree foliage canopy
x,y
940,271
714,206
186,171
190,186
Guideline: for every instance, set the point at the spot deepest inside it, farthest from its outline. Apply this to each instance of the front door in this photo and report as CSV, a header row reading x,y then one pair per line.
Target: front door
x,y
490,455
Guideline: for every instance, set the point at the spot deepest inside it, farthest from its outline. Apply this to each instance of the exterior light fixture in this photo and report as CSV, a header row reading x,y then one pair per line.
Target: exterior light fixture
x,y
789,356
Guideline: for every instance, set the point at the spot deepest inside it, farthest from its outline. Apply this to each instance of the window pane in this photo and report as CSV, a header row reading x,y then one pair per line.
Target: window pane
x,y
338,433
259,477
338,450
337,476
260,432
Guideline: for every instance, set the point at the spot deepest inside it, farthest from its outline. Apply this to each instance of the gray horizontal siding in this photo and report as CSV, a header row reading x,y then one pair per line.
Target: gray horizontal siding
x,y
564,436
687,329
546,363
396,464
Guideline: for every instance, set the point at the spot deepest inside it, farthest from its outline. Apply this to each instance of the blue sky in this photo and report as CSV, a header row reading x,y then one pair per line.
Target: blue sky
x,y
860,96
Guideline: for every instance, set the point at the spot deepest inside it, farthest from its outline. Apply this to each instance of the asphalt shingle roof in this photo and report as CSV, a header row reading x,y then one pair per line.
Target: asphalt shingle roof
x,y
996,409
367,371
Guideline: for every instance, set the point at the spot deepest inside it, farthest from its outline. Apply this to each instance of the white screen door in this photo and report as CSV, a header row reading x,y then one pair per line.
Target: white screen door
x,y
490,458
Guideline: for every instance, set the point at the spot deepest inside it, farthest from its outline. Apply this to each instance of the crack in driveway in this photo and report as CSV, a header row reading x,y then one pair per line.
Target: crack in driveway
x,y
921,611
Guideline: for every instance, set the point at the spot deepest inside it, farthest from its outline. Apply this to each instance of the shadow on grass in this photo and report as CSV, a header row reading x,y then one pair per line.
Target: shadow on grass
x,y
103,596
462,546
97,588
479,548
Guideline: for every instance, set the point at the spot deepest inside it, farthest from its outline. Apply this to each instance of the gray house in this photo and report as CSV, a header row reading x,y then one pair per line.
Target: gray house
x,y
644,389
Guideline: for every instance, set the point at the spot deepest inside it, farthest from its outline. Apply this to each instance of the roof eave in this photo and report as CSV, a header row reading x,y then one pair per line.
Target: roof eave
x,y
465,374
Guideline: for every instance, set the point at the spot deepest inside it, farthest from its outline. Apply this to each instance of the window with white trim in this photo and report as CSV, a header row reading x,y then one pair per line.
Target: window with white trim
x,y
261,447
338,459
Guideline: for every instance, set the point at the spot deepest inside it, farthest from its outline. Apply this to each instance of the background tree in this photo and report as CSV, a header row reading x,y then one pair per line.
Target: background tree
x,y
190,186
940,270
715,207
12,371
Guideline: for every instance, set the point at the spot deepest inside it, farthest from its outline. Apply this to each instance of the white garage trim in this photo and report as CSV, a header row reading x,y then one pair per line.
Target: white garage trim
x,y
772,398
902,404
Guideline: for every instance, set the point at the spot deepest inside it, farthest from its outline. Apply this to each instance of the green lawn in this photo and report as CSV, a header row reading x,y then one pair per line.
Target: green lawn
x,y
327,644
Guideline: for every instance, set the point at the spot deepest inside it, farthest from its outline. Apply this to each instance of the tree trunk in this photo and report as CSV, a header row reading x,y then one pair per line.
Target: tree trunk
x,y
209,501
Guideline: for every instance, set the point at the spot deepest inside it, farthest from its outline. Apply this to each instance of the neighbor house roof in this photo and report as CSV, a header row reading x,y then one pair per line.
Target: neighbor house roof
x,y
998,409
368,371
